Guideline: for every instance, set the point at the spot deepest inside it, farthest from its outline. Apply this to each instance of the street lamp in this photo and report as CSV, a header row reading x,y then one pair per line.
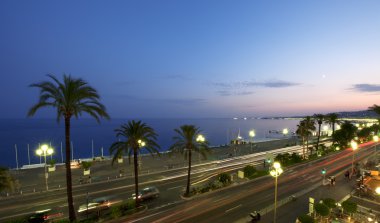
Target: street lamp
x,y
141,144
354,146
285,131
200,139
44,150
275,172
377,190
252,134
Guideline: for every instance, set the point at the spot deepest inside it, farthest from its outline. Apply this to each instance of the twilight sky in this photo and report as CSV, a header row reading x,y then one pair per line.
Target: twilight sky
x,y
203,58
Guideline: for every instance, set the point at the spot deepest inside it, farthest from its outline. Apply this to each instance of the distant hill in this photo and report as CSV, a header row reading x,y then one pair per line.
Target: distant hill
x,y
345,114
358,114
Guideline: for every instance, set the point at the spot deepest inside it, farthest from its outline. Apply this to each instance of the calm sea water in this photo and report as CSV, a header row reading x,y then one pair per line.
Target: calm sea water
x,y
32,132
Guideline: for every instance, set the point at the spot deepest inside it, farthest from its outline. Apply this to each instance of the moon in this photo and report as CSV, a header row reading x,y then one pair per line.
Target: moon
x,y
323,76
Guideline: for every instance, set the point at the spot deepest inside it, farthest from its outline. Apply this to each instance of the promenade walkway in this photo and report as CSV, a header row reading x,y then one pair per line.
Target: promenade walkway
x,y
32,180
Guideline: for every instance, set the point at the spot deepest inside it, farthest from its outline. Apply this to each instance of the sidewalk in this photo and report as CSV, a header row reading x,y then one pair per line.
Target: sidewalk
x,y
32,180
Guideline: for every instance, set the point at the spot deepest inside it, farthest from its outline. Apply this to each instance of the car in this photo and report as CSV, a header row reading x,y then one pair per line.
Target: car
x,y
95,205
46,215
147,193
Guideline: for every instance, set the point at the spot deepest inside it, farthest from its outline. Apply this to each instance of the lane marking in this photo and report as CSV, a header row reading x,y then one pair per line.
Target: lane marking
x,y
172,188
220,199
231,209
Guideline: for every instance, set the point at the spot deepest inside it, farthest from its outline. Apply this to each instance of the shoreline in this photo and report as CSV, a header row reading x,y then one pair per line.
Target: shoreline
x,y
217,152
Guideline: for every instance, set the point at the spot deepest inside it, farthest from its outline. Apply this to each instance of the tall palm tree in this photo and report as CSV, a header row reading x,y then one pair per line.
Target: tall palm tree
x,y
309,126
304,132
332,119
72,97
136,136
319,118
375,108
7,182
186,141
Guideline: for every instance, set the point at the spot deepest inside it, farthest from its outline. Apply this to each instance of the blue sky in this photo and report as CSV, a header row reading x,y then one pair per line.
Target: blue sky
x,y
217,58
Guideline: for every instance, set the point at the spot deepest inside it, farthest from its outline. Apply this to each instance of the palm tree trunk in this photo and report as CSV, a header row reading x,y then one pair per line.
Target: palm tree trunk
x,y
136,177
307,145
303,147
333,128
69,188
188,176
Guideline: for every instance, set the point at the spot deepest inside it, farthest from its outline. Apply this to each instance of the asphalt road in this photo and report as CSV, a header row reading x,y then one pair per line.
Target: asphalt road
x,y
226,205
171,183
233,204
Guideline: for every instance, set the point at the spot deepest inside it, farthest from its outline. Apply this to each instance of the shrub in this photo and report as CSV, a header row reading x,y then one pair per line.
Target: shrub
x,y
329,202
305,219
349,206
322,209
116,211
86,165
249,171
224,178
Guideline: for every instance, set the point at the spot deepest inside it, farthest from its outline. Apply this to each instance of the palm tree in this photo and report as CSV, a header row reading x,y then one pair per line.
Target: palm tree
x,y
72,97
309,127
136,136
7,182
319,118
304,132
332,119
187,140
375,108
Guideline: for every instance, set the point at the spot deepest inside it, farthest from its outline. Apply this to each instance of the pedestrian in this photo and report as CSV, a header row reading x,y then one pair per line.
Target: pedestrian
x,y
258,216
347,174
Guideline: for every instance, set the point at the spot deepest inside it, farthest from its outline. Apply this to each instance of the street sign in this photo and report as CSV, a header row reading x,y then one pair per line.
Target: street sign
x,y
240,174
311,205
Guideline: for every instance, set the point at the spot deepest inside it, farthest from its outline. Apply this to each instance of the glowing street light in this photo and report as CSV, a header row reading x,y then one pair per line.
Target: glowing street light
x,y
252,134
338,127
354,146
285,131
200,138
275,172
377,190
141,143
44,150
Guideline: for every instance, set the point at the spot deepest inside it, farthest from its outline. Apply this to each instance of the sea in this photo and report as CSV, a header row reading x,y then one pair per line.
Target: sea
x,y
20,138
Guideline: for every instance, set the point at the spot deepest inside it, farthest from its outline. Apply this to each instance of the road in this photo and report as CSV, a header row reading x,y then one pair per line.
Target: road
x,y
234,203
170,182
228,204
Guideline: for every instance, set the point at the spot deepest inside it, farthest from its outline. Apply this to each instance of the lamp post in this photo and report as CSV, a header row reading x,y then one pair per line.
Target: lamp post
x,y
141,144
354,146
285,131
275,172
44,150
376,140
377,190
251,134
200,139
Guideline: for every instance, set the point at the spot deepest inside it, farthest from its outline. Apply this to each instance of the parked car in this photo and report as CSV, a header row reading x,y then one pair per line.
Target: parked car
x,y
147,193
95,205
46,215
